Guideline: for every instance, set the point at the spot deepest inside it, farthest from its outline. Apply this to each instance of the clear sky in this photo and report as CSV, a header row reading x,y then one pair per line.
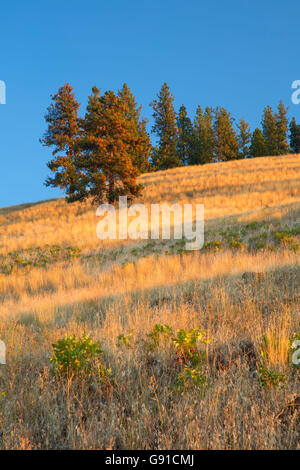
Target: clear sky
x,y
240,54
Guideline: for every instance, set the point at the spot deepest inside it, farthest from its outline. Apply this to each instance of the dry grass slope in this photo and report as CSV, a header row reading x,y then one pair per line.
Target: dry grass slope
x,y
56,277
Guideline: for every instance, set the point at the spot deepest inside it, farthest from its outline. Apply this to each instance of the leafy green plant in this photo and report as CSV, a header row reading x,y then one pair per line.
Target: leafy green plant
x,y
269,378
186,344
125,340
214,245
36,257
79,356
190,378
158,333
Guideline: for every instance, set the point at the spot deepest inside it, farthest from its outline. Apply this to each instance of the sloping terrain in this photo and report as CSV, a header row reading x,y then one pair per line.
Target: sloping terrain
x,y
57,278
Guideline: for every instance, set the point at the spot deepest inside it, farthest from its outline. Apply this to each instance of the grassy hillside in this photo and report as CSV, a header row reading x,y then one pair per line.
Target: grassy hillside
x,y
57,278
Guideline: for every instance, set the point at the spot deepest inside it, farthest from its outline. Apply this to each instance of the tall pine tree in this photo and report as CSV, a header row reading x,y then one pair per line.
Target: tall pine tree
x,y
165,155
258,147
63,135
141,159
270,130
185,132
294,136
203,141
109,143
244,138
227,146
282,130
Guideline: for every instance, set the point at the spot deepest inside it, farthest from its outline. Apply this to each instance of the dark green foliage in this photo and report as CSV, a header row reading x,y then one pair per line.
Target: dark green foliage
x,y
63,135
203,139
140,159
294,136
282,129
165,155
244,138
185,134
227,146
269,129
258,147
275,127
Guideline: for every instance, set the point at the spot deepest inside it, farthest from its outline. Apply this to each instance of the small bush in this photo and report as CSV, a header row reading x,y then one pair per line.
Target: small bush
x,y
186,344
158,333
190,378
80,356
269,378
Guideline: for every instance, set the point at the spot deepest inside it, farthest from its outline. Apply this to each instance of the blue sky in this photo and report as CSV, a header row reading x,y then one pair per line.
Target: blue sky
x,y
238,54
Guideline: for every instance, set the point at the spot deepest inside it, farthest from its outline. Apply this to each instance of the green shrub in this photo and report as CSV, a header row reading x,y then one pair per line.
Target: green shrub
x,y
269,378
190,378
125,340
80,356
186,344
158,333
214,245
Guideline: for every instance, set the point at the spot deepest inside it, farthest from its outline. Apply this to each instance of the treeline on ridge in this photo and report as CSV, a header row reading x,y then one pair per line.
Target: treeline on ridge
x,y
100,155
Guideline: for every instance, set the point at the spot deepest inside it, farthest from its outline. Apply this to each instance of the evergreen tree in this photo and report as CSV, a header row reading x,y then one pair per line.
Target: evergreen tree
x,y
244,138
165,128
203,142
185,132
109,143
140,159
282,130
63,135
294,136
258,147
196,155
270,131
227,146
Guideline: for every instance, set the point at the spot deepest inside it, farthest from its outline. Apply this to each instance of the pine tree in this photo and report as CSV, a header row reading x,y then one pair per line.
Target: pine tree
x,y
185,132
63,135
165,128
203,142
282,130
294,136
197,145
258,147
109,143
227,146
244,138
141,158
270,131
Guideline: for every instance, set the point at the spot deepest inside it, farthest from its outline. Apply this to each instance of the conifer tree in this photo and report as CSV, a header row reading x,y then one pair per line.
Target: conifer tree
x,y
282,130
63,135
109,143
141,158
196,154
185,132
165,128
258,147
203,142
270,131
244,138
227,146
294,136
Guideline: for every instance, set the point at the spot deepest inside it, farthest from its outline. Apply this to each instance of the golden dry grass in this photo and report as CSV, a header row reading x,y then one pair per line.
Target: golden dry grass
x,y
114,287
